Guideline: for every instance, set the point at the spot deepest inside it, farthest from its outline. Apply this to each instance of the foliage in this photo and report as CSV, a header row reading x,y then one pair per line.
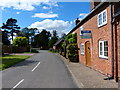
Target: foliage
x,y
52,50
42,39
29,32
72,48
11,26
72,52
5,40
20,41
34,51
53,39
71,38
68,36
9,60
54,33
63,36
63,45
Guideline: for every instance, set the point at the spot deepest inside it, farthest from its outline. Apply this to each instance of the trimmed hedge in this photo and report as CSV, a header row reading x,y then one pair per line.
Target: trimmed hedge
x,y
72,52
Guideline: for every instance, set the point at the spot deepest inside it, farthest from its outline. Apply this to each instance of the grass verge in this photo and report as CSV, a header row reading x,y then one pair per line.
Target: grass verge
x,y
9,60
52,51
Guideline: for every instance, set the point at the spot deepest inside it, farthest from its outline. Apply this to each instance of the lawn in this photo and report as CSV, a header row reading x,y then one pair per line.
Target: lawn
x,y
9,60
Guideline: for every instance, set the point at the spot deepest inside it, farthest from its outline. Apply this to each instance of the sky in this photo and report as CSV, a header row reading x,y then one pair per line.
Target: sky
x,y
44,14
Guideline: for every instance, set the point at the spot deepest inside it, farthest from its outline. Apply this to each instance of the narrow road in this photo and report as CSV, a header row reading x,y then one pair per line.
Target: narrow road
x,y
43,70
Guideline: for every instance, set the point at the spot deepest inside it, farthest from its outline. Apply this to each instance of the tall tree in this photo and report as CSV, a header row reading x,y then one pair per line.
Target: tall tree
x,y
53,39
42,39
11,26
63,36
54,33
5,40
29,32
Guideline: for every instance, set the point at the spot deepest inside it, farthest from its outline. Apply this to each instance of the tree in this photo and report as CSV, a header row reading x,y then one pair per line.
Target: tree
x,y
29,32
72,47
25,32
11,26
54,33
63,36
5,40
20,41
53,39
42,39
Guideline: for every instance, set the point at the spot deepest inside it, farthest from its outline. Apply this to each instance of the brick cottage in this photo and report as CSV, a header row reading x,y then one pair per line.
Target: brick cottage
x,y
98,38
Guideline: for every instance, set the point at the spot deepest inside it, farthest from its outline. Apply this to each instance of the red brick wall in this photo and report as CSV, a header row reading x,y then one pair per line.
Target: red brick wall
x,y
118,42
102,33
119,52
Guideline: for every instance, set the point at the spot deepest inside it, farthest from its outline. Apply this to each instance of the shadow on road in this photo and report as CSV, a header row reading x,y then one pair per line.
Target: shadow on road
x,y
25,63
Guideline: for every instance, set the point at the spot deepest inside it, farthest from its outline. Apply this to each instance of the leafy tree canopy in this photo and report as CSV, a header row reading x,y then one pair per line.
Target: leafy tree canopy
x,y
53,39
42,39
11,26
5,40
20,41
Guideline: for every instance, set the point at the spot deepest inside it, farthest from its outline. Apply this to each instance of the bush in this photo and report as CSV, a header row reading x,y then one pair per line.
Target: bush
x,y
72,52
34,51
68,37
71,40
20,41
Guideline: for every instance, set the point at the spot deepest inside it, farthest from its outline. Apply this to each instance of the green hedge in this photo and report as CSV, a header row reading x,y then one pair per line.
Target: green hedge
x,y
34,51
72,52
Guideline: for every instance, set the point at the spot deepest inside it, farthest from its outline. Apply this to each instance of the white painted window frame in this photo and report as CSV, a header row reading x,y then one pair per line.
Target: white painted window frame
x,y
103,23
102,56
82,49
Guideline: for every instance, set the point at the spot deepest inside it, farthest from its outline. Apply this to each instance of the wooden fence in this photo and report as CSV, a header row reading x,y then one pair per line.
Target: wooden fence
x,y
11,49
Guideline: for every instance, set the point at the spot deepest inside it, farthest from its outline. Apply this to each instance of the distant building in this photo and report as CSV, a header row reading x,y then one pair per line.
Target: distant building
x,y
57,45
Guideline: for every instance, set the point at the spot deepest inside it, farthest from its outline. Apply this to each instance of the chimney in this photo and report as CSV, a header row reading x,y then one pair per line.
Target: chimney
x,y
94,3
77,21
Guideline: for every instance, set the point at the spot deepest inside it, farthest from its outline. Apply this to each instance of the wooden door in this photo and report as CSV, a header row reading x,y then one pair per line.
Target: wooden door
x,y
88,54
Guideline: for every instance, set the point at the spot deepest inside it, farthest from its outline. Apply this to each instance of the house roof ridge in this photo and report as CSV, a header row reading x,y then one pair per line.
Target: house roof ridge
x,y
98,6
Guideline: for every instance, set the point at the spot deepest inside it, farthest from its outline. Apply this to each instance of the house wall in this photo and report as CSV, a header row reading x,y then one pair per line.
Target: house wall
x,y
103,33
118,36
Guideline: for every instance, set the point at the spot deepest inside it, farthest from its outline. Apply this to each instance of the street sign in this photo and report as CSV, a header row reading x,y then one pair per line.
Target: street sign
x,y
86,34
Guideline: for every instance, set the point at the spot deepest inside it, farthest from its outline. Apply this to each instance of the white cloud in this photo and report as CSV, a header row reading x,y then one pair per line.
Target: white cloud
x,y
44,7
45,15
48,24
17,12
82,15
25,4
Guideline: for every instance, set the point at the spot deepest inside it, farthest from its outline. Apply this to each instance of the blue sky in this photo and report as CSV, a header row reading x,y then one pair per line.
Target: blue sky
x,y
58,16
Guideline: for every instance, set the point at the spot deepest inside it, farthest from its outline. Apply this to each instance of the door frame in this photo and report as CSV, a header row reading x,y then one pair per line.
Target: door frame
x,y
88,60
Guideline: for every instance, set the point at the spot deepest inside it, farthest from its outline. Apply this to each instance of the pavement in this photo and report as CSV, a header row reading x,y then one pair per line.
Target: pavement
x,y
42,70
86,77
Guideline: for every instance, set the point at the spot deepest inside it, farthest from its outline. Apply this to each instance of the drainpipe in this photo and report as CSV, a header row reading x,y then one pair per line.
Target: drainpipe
x,y
112,40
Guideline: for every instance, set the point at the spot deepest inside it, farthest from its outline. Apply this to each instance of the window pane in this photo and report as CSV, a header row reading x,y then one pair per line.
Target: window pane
x,y
106,43
106,54
104,16
100,19
82,49
101,49
106,48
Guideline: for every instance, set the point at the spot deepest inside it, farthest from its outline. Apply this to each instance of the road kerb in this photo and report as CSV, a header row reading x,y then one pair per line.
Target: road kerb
x,y
79,85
